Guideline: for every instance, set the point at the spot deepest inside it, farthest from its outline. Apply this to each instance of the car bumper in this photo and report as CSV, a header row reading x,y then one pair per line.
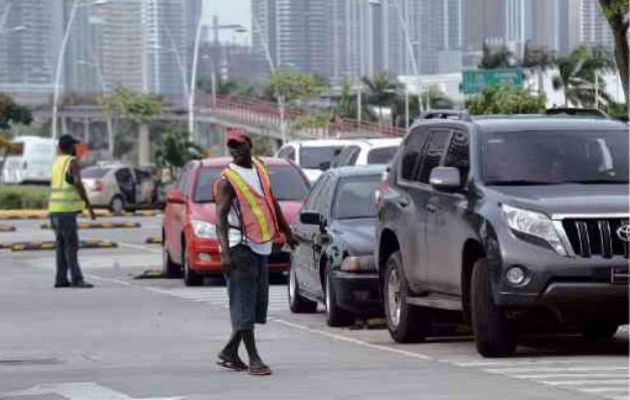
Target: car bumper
x,y
98,199
205,259
358,292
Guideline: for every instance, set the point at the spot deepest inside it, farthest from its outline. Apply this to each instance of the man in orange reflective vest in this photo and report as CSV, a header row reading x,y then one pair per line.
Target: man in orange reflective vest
x,y
248,220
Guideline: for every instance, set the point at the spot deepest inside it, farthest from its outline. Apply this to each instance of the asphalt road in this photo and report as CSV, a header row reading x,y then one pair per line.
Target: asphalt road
x,y
132,339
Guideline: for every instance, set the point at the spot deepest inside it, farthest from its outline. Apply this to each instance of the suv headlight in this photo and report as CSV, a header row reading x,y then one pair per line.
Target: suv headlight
x,y
203,230
533,224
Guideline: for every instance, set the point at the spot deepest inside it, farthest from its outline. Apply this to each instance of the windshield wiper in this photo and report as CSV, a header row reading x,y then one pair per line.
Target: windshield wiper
x,y
520,182
599,181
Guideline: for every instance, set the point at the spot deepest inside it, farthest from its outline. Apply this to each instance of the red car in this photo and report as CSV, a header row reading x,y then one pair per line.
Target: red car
x,y
189,239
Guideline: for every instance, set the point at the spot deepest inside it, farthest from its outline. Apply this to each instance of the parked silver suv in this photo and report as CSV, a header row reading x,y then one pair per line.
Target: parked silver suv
x,y
520,223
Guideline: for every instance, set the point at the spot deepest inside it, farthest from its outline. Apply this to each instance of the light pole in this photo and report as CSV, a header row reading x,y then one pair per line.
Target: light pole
x,y
61,55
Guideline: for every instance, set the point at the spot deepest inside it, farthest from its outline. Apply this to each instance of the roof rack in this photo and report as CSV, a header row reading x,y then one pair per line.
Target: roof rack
x,y
577,112
446,114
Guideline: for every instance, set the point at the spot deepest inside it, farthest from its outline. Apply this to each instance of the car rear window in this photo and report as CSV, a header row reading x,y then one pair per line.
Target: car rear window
x,y
355,197
94,172
312,157
287,184
382,155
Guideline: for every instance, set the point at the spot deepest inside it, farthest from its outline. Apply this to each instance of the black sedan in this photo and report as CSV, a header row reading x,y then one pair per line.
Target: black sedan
x,y
333,262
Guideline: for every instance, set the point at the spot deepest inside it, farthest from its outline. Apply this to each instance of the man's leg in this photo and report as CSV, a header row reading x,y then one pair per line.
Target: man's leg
x,y
71,237
61,279
256,365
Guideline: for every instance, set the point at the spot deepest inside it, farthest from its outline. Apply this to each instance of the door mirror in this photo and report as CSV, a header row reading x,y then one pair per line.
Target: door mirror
x,y
175,197
324,166
310,218
445,179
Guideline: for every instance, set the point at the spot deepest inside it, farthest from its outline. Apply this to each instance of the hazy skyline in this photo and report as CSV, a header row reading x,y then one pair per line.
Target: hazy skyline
x,y
229,12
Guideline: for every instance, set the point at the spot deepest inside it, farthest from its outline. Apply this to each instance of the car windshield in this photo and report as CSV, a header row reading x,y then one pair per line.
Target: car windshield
x,y
355,197
382,155
547,158
287,184
94,172
313,157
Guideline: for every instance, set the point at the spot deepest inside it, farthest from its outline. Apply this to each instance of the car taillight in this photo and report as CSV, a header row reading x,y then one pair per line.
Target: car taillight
x,y
98,186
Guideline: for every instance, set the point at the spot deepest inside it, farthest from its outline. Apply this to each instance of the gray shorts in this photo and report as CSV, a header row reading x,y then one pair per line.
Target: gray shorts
x,y
248,288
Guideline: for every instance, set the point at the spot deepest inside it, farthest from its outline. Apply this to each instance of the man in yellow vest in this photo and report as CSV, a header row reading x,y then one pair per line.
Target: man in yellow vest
x,y
67,199
249,219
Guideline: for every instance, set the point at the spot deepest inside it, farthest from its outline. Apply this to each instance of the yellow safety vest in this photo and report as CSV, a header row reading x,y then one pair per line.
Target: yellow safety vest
x,y
63,196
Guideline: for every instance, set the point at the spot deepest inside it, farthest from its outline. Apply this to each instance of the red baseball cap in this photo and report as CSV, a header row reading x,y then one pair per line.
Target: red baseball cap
x,y
236,135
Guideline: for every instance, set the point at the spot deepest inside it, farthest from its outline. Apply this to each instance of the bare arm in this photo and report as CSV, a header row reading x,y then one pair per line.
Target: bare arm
x,y
283,225
78,184
225,197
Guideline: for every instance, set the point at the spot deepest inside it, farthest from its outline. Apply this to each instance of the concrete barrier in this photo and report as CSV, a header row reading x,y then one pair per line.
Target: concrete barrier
x,y
50,245
43,214
102,225
7,228
154,240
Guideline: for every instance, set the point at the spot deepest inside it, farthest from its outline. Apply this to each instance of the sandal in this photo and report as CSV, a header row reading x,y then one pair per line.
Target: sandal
x,y
237,365
260,370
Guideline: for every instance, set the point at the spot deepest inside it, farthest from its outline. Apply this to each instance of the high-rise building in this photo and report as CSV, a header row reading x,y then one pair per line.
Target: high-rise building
x,y
30,35
593,29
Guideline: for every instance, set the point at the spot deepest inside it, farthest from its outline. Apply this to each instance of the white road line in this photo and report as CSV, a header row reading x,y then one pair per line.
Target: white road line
x,y
514,363
358,342
577,375
506,371
110,280
586,382
139,247
603,390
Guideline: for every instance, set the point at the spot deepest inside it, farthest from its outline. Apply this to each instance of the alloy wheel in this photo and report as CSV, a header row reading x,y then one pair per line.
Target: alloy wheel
x,y
393,297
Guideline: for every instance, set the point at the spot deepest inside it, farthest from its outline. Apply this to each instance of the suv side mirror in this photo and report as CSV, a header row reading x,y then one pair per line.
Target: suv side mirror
x,y
175,197
445,179
324,166
310,218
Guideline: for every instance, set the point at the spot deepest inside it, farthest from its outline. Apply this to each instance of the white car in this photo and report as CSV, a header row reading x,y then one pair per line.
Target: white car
x,y
32,162
313,156
367,152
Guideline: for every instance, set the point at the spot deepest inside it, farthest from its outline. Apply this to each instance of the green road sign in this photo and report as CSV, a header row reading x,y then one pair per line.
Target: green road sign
x,y
475,79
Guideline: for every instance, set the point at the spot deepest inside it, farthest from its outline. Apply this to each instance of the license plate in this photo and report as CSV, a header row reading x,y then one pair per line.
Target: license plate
x,y
619,275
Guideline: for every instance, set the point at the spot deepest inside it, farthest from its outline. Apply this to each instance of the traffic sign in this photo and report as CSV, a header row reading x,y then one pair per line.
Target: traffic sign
x,y
475,79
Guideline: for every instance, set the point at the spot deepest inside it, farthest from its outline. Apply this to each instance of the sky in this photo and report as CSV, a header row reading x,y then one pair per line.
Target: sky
x,y
229,12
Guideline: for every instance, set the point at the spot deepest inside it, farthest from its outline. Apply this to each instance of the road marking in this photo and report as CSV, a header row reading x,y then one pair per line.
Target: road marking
x,y
359,342
111,280
505,371
139,247
78,391
582,382
585,375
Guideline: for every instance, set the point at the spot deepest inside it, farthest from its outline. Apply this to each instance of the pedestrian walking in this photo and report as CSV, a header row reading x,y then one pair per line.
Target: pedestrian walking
x,y
67,199
249,219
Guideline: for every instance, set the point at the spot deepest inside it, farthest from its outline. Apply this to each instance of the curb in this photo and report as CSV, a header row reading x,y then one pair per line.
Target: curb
x,y
101,225
7,228
50,245
154,240
150,274
43,214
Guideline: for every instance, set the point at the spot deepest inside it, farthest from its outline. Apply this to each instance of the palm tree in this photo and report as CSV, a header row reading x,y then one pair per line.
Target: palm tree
x,y
382,91
495,57
578,73
538,59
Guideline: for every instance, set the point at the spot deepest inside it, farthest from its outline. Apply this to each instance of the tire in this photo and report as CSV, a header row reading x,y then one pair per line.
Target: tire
x,y
406,323
599,331
169,268
117,205
494,337
297,303
191,278
335,315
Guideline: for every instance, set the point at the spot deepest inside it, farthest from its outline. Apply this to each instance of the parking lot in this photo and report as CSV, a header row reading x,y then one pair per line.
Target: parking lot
x,y
131,338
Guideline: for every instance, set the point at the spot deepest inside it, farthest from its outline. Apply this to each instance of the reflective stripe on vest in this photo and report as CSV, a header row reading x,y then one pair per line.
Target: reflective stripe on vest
x,y
256,211
63,196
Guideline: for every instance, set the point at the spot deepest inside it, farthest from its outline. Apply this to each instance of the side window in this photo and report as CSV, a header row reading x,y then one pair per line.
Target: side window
x,y
458,154
352,159
287,153
433,155
184,180
124,176
411,153
325,198
311,202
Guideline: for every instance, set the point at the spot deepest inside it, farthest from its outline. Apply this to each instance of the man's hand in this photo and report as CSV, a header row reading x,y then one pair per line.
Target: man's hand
x,y
226,261
291,239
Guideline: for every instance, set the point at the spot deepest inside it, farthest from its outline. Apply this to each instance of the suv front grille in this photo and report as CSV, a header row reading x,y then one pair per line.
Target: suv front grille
x,y
596,237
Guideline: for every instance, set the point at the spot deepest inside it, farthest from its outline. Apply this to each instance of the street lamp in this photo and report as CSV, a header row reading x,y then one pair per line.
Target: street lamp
x,y
62,52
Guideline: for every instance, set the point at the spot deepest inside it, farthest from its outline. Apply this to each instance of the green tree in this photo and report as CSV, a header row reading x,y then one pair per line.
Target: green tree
x,y
537,60
230,87
495,57
137,107
173,150
11,112
616,12
505,99
291,85
577,73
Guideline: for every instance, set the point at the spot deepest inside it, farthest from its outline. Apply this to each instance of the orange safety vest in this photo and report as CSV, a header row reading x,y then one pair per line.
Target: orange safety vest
x,y
256,213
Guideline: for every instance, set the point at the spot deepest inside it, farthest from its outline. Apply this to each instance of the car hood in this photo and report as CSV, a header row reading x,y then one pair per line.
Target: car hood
x,y
566,199
207,211
356,235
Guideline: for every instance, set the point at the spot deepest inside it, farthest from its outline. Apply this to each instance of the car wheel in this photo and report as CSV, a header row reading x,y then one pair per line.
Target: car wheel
x,y
297,303
191,278
169,268
117,205
406,323
494,337
599,331
335,315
